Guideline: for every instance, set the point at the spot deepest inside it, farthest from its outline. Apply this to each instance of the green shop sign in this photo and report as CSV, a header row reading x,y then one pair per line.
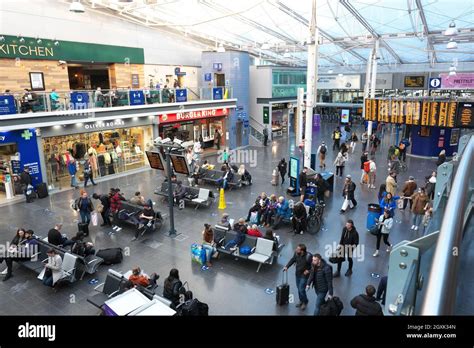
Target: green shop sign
x,y
29,48
286,91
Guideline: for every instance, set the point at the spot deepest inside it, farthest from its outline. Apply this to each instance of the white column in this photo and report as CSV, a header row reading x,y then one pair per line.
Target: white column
x,y
311,92
299,116
372,83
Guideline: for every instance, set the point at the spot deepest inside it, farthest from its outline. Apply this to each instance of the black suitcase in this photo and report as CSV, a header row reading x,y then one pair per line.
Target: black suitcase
x,y
84,228
42,190
111,256
283,291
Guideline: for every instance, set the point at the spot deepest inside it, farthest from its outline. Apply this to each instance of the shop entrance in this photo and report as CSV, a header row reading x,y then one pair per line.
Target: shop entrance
x,y
238,129
219,79
88,77
9,171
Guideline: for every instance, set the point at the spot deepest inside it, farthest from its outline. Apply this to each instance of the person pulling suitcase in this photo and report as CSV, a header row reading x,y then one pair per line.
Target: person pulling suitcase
x,y
302,260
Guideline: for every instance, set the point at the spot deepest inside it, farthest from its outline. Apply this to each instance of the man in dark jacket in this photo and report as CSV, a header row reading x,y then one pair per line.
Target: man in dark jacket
x,y
56,238
105,213
179,193
320,278
25,180
303,180
382,290
347,244
299,218
348,192
366,304
302,260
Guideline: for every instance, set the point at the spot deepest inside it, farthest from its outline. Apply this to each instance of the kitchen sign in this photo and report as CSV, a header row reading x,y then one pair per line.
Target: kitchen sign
x,y
192,115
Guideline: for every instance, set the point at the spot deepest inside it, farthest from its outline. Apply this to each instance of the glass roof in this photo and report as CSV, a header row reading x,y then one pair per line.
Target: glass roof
x,y
276,30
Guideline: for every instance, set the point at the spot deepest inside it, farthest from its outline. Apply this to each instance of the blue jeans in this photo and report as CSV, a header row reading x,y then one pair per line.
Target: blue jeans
x,y
417,219
73,181
301,285
85,216
320,299
209,251
222,182
48,281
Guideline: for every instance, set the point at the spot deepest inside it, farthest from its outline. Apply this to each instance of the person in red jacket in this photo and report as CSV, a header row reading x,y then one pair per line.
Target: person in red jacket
x,y
139,278
254,231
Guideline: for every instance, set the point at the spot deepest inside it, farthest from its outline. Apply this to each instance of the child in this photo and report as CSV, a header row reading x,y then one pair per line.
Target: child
x,y
427,217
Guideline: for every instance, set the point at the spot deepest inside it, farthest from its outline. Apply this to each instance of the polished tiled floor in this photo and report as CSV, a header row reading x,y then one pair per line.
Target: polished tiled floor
x,y
231,287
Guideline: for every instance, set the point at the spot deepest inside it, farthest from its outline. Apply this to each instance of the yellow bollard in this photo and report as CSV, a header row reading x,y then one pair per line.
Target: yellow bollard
x,y
221,199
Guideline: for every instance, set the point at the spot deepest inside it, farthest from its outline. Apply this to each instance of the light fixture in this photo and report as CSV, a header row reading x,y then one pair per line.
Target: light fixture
x,y
452,73
221,48
56,42
452,44
340,75
330,71
21,39
452,68
452,30
77,7
2,38
38,40
265,46
287,54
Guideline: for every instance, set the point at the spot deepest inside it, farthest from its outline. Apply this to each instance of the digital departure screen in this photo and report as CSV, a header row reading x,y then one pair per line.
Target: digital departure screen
x,y
155,160
464,119
179,164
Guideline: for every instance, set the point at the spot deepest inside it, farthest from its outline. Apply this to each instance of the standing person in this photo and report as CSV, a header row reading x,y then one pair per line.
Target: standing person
x,y
302,260
218,136
339,162
282,169
364,138
431,185
382,192
265,135
105,210
303,179
374,143
408,190
420,200
299,218
336,137
347,244
402,155
365,304
26,180
441,158
348,194
372,174
322,149
385,224
320,278
391,183
72,168
389,202
88,173
354,140
85,207
364,167
321,187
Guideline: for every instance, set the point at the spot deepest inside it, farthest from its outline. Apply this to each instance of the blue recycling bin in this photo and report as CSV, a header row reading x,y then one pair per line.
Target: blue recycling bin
x,y
373,214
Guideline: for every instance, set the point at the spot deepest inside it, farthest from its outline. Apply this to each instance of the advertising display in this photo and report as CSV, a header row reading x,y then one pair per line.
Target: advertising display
x,y
458,81
345,116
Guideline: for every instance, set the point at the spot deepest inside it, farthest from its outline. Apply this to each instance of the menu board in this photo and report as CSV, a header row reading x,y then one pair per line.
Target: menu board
x,y
395,111
155,160
443,114
464,118
179,164
425,113
434,112
451,116
415,81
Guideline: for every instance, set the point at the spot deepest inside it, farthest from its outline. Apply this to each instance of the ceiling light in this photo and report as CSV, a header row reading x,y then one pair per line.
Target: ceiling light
x,y
452,44
451,29
221,48
452,73
21,39
330,71
265,46
38,40
77,7
340,75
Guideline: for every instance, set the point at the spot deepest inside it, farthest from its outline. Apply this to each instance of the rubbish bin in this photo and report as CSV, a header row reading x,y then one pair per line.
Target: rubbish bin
x,y
373,214
275,177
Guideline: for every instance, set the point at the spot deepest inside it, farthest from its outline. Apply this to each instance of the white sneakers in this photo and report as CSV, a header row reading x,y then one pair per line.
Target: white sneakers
x,y
389,248
376,253
416,228
4,271
413,227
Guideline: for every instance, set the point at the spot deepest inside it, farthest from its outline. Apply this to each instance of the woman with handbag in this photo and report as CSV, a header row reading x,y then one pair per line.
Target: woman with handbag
x,y
384,224
88,174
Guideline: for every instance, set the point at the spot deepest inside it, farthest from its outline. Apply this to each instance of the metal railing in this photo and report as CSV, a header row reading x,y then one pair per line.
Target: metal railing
x,y
32,101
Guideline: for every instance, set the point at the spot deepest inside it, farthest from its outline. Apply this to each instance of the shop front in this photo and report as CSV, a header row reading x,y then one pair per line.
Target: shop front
x,y
18,149
113,147
196,126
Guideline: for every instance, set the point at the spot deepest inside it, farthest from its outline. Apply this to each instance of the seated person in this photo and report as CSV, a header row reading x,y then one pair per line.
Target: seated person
x,y
241,230
299,218
270,211
139,278
207,166
138,199
14,253
145,219
173,288
244,175
227,176
225,222
198,173
208,244
254,231
52,271
56,238
271,236
283,212
80,247
179,193
259,206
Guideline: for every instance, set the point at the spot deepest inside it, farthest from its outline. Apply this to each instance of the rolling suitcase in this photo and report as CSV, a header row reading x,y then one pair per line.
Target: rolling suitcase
x,y
110,256
283,291
42,190
84,228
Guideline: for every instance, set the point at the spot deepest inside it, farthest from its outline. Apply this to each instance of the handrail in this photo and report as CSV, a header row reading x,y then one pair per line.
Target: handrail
x,y
440,296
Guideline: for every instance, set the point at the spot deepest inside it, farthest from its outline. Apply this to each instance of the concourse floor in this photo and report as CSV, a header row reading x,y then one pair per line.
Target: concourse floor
x,y
230,287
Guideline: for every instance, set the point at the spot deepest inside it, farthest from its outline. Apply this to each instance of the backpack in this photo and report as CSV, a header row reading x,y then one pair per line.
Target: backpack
x,y
367,166
245,250
332,307
396,152
323,149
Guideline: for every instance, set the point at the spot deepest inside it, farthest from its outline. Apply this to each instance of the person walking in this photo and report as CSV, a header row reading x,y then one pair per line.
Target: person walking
x,y
348,194
441,158
218,137
302,260
88,173
364,140
420,200
391,184
408,190
26,180
372,174
322,149
320,278
354,140
365,304
339,162
430,185
363,159
303,181
336,137
347,244
85,207
282,166
105,209
385,224
265,135
72,169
